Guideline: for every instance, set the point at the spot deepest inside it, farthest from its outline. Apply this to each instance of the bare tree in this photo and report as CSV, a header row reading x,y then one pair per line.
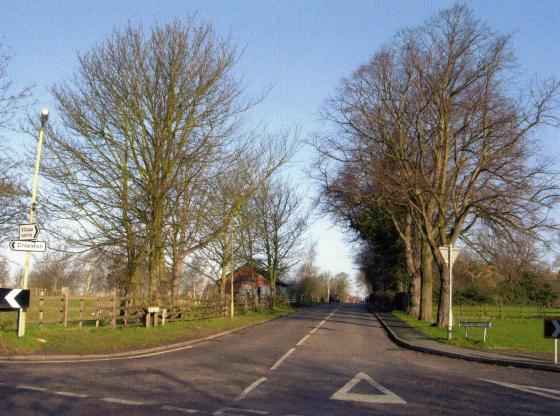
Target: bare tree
x,y
143,114
432,120
281,222
12,188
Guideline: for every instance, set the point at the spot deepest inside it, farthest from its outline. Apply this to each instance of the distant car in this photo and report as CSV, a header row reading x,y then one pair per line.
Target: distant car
x,y
334,298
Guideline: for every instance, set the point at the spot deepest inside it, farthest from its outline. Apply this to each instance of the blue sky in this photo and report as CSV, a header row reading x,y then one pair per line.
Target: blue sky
x,y
300,50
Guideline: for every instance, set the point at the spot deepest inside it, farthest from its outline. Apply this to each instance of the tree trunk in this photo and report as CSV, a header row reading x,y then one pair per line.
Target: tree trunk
x,y
176,273
412,266
427,283
443,305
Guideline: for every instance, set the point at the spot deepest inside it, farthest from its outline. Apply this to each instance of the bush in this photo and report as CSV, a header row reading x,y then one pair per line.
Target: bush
x,y
382,299
401,301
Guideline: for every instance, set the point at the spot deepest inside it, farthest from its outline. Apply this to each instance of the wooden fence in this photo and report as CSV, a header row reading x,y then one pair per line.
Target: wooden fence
x,y
488,311
118,311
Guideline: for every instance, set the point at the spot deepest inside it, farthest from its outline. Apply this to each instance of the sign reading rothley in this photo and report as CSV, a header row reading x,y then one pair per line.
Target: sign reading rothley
x,y
18,245
28,232
444,250
14,298
552,327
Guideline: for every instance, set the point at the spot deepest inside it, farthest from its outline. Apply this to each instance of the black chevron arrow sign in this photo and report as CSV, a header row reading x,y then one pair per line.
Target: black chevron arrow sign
x,y
552,327
14,298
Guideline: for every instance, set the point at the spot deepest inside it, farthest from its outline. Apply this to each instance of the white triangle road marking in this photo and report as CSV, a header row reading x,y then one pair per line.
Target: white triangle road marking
x,y
387,396
539,391
10,298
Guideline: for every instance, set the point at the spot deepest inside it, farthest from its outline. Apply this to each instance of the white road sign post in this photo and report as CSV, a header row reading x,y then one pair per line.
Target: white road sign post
x,y
450,254
44,118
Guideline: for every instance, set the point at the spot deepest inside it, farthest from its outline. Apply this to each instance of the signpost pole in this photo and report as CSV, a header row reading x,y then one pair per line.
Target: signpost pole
x,y
555,350
22,313
450,313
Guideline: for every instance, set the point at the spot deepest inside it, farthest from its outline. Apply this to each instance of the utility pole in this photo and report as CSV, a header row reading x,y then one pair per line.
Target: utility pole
x,y
44,118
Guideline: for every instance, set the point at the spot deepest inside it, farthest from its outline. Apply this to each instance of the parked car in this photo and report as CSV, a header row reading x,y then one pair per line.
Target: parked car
x,y
334,298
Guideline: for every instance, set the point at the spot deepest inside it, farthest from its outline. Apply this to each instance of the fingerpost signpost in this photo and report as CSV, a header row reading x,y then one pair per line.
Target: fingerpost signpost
x,y
28,232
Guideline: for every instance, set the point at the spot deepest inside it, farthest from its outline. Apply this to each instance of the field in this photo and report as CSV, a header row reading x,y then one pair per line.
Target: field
x,y
514,328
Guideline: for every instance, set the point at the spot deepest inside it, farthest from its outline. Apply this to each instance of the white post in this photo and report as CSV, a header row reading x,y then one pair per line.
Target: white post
x,y
22,313
555,350
450,314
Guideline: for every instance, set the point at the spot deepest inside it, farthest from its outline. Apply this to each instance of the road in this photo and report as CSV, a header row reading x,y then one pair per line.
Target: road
x,y
327,360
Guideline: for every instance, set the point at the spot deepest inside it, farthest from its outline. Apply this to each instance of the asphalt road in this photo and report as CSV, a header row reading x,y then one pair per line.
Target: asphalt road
x,y
328,360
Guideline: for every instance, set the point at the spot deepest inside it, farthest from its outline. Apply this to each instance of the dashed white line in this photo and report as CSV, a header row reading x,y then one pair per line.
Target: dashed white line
x,y
236,410
179,409
70,394
32,388
123,401
277,364
249,389
301,341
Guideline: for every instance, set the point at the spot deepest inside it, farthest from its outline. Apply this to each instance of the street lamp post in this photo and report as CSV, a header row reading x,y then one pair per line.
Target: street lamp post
x,y
44,118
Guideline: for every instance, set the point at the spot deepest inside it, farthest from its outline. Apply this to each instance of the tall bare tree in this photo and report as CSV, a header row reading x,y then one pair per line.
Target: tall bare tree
x,y
434,123
12,188
142,112
281,222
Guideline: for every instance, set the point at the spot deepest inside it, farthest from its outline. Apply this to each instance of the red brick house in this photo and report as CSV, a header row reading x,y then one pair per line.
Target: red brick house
x,y
245,283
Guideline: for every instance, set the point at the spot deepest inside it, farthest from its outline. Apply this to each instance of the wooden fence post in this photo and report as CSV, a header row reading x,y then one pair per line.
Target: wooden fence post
x,y
64,309
114,308
97,310
81,309
41,307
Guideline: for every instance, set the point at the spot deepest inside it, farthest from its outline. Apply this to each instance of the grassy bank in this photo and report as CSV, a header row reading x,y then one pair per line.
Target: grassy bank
x,y
54,339
514,334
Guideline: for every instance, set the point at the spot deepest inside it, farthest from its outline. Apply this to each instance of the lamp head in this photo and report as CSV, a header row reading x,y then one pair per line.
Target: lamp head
x,y
44,116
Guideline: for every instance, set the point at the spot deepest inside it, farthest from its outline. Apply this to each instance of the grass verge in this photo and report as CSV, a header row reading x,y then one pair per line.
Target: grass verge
x,y
522,335
54,339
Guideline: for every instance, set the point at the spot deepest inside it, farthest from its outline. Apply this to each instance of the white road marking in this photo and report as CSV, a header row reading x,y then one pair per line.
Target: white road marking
x,y
32,388
179,409
301,341
70,394
250,388
123,401
275,366
387,396
236,410
539,391
314,330
151,354
322,322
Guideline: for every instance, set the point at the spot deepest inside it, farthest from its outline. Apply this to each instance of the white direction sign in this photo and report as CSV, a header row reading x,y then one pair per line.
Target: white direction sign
x,y
28,231
18,245
444,250
386,396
